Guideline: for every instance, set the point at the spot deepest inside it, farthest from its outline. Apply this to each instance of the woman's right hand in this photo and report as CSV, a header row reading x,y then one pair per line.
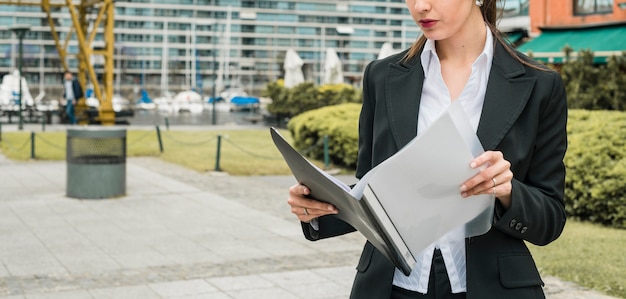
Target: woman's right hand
x,y
307,209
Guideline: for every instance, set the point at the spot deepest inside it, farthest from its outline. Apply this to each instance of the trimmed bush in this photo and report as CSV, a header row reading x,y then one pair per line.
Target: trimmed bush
x,y
594,86
289,102
595,185
339,123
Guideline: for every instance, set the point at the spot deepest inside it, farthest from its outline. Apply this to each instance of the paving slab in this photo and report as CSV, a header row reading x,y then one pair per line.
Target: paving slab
x,y
176,234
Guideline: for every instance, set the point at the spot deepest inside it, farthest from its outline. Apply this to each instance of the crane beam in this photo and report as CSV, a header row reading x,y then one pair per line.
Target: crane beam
x,y
79,11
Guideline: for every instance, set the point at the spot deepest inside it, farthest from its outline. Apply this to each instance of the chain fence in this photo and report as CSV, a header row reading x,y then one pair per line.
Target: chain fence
x,y
33,137
136,140
250,153
194,143
50,143
18,149
307,150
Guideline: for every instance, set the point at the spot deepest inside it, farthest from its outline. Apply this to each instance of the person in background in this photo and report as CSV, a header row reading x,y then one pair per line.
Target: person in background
x,y
72,93
518,110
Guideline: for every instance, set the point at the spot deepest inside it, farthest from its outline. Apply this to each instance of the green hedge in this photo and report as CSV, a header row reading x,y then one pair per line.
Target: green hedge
x,y
289,102
595,184
594,86
339,123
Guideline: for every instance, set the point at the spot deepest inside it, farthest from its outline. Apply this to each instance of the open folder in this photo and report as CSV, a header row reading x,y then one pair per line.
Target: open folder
x,y
410,200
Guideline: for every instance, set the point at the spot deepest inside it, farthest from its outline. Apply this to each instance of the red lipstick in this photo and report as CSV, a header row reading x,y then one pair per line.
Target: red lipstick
x,y
427,23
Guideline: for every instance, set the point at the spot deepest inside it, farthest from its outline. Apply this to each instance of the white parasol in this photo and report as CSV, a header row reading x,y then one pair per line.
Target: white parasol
x,y
293,69
333,73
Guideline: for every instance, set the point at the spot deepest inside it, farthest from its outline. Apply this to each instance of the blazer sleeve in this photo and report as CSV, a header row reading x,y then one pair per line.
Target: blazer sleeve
x,y
537,212
78,91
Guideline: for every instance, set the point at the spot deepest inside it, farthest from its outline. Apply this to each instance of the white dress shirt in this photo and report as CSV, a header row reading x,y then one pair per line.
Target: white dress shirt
x,y
434,101
69,90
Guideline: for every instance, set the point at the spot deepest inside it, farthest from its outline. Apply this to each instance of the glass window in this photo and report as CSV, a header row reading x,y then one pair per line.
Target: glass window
x,y
306,30
582,7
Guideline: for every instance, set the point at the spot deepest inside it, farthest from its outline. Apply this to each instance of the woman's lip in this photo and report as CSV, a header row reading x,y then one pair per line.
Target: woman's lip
x,y
427,23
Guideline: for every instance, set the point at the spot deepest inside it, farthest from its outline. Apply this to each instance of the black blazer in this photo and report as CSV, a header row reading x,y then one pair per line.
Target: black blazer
x,y
524,115
76,89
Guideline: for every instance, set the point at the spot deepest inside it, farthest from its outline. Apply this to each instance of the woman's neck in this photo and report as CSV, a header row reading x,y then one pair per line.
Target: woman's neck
x,y
465,46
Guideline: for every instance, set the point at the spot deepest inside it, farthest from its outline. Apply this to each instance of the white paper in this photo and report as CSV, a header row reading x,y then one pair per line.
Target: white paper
x,y
419,187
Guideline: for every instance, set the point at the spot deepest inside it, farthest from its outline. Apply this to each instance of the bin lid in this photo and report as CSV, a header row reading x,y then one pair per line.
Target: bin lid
x,y
96,132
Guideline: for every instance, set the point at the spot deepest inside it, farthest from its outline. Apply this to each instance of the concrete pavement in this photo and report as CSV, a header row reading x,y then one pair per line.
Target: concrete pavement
x,y
177,234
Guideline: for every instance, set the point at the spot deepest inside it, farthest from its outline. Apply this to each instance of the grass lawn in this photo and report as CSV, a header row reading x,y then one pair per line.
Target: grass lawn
x,y
587,254
243,152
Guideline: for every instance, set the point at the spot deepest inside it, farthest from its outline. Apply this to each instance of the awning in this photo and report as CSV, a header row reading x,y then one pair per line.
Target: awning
x,y
603,41
515,37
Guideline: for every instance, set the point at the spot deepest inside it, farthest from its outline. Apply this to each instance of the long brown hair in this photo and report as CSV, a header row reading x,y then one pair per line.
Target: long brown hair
x,y
491,14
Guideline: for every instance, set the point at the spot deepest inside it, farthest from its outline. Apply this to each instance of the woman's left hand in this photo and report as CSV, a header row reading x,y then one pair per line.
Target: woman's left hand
x,y
494,179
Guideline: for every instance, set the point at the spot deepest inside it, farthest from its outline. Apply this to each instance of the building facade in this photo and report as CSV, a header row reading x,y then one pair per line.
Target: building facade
x,y
575,13
575,25
184,44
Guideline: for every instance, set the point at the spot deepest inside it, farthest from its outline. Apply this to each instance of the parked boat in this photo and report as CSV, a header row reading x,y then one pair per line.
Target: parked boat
x,y
10,91
244,103
188,101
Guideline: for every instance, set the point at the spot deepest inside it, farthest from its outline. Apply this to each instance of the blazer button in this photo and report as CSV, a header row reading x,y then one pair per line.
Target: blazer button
x,y
512,224
518,226
524,229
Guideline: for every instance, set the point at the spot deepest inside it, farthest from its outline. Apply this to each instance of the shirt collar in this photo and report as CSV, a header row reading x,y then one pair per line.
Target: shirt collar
x,y
430,52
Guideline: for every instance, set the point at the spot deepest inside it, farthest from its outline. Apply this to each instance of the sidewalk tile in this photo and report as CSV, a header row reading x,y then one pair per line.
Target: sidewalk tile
x,y
132,292
177,289
81,294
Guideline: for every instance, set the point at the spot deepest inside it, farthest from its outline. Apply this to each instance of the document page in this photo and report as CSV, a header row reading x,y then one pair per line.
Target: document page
x,y
419,187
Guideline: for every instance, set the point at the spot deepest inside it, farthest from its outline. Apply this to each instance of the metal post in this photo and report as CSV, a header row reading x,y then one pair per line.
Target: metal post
x,y
0,131
218,155
326,155
167,123
214,112
43,122
32,145
19,82
20,30
159,138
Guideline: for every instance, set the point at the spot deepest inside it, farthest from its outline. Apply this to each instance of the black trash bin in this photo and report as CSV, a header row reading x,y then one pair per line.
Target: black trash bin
x,y
96,162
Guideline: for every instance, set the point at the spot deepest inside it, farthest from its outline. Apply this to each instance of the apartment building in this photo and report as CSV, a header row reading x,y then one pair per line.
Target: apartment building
x,y
182,44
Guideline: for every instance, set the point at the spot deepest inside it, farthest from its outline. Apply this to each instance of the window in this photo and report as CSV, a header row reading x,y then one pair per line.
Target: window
x,y
583,7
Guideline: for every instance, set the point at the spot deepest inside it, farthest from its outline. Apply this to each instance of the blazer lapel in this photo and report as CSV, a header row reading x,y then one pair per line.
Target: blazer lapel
x,y
508,91
403,93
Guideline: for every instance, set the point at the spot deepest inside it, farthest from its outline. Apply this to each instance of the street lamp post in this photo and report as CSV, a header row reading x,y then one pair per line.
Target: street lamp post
x,y
20,30
213,41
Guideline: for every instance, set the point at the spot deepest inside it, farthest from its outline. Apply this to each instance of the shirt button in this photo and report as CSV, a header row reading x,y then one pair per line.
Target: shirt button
x,y
512,224
524,229
518,226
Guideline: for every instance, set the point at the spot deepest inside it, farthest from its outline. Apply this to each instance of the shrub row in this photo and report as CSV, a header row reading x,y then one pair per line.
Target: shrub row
x,y
594,86
595,185
339,123
289,102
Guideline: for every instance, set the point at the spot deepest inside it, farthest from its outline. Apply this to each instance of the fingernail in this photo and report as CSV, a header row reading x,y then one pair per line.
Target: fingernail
x,y
464,194
305,190
331,208
473,165
463,187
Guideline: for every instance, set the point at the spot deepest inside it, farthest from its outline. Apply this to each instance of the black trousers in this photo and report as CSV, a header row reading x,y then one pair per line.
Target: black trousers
x,y
438,284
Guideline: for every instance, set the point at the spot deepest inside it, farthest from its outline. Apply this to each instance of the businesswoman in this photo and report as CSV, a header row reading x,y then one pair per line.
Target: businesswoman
x,y
518,110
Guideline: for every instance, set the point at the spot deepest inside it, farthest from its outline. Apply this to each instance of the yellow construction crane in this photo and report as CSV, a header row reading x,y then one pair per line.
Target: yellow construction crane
x,y
85,35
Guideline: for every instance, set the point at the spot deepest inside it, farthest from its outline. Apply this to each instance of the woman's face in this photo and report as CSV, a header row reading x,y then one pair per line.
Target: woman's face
x,y
442,19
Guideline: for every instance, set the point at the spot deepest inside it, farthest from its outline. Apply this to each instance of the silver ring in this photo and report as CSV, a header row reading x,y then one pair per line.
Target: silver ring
x,y
306,213
494,182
